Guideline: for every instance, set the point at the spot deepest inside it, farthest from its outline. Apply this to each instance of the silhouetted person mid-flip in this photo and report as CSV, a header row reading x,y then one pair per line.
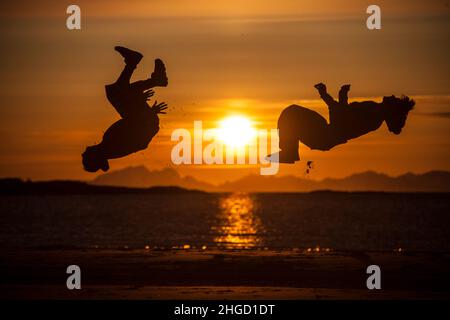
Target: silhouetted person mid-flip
x,y
139,123
346,121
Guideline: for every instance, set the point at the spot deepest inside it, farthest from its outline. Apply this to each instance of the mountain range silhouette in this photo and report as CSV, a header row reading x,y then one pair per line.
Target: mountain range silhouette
x,y
141,177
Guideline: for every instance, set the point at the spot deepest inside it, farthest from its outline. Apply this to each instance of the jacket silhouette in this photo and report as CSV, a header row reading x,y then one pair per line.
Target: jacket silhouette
x,y
139,122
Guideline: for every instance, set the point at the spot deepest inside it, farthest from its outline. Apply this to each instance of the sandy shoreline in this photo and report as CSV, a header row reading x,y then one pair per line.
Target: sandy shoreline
x,y
191,274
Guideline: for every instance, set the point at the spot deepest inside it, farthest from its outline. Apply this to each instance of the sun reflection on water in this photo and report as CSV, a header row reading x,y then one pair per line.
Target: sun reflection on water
x,y
237,225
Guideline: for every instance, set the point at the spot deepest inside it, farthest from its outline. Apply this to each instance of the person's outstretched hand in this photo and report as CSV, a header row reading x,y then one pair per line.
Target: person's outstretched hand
x,y
321,87
159,107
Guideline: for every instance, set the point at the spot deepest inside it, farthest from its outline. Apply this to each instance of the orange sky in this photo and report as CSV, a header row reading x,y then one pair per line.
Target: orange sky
x,y
223,57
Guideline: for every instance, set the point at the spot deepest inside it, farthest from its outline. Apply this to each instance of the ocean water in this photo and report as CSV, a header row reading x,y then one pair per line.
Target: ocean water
x,y
329,221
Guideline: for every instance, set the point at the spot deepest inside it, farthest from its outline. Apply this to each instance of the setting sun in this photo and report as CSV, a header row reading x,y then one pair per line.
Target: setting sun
x,y
236,131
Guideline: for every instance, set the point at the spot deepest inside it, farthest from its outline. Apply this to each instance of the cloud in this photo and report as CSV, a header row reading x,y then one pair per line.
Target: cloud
x,y
223,8
436,114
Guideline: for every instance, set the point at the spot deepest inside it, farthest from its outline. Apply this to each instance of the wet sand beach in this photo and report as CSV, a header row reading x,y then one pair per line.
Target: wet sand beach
x,y
213,274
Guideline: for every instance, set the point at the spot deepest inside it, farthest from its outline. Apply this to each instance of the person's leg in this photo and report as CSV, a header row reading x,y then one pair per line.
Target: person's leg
x,y
157,79
142,85
124,78
288,148
288,136
132,59
119,93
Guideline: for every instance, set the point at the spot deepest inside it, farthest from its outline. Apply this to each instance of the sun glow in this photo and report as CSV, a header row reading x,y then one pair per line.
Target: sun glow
x,y
236,131
238,226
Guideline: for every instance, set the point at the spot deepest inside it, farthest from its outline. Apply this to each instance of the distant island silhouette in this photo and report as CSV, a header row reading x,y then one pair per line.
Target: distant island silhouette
x,y
16,186
140,176
141,180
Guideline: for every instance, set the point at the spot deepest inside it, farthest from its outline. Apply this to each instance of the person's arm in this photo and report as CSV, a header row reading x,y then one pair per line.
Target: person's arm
x,y
322,89
147,94
343,95
334,107
159,107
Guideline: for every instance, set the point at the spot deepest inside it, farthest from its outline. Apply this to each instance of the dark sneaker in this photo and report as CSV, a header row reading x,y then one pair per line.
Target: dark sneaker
x,y
131,57
159,75
282,157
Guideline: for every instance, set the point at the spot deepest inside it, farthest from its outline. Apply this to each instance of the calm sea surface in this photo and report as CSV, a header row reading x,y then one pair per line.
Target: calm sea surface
x,y
329,221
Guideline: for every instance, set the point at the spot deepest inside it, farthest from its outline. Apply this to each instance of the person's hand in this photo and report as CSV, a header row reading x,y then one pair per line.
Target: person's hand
x,y
321,87
148,94
159,107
